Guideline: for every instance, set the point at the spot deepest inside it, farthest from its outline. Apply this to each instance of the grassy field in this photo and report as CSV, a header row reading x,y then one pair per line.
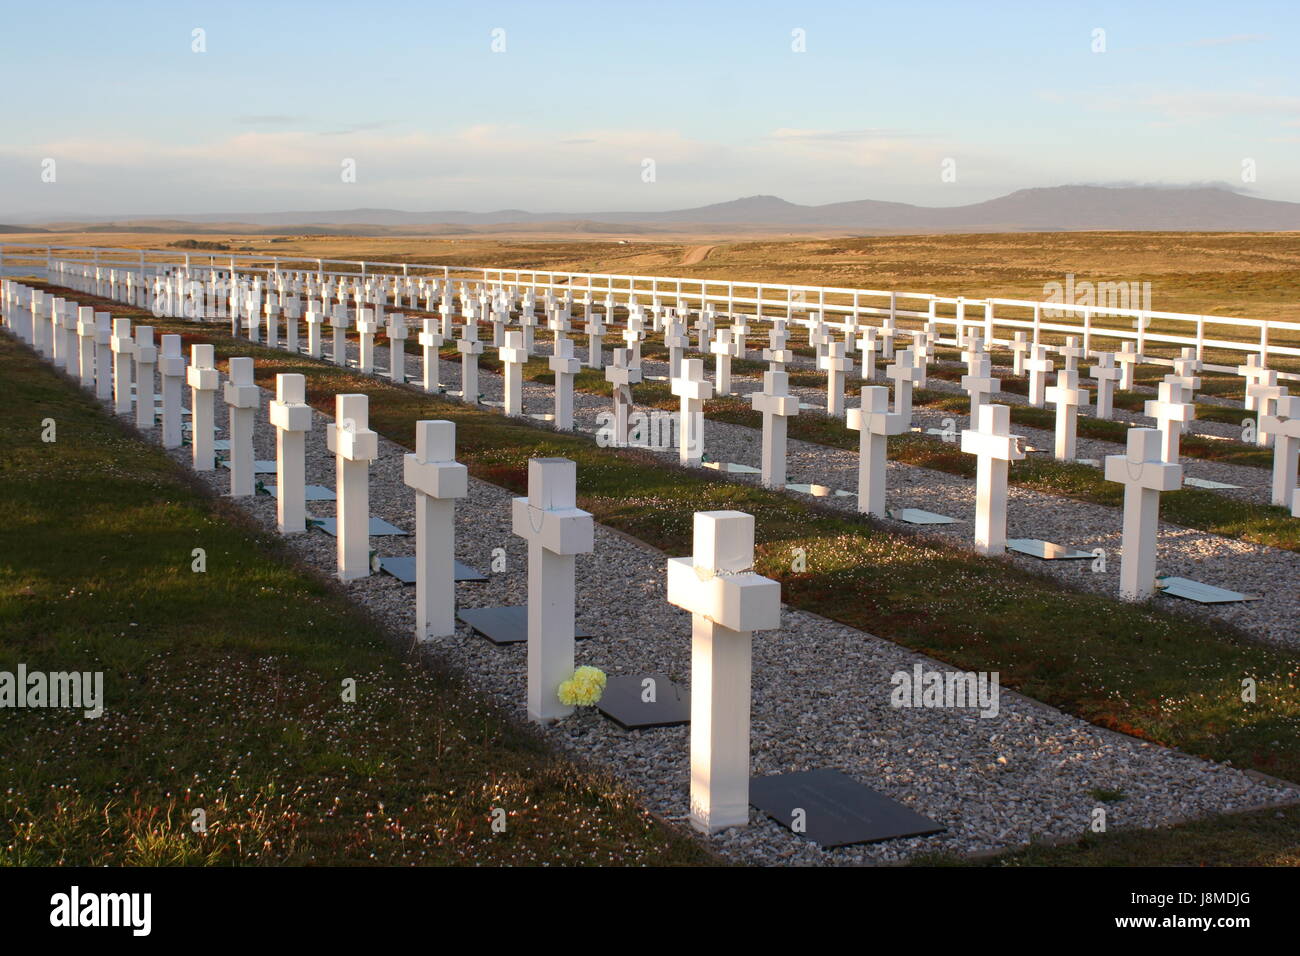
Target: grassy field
x,y
1244,274
223,689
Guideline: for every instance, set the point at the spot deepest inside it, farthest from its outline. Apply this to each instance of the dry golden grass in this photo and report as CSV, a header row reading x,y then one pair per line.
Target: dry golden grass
x,y
1255,275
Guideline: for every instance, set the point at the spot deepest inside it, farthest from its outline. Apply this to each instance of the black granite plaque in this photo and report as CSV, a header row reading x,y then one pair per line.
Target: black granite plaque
x,y
402,567
504,625
623,702
836,809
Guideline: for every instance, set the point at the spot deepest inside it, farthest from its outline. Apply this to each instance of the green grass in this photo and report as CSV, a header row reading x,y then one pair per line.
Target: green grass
x,y
1268,837
223,689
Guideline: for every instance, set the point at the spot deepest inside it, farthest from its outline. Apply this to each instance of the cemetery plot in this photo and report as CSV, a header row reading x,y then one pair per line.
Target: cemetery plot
x,y
541,519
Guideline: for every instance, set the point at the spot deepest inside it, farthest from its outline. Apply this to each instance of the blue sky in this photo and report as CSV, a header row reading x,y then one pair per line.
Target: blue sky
x,y
584,93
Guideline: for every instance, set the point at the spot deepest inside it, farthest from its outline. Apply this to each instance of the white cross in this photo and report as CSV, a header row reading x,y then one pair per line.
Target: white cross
x,y
1068,398
995,448
634,335
354,447
677,341
1266,393
67,355
271,310
315,320
447,313
1038,367
556,531
367,329
974,353
1072,353
869,344
290,415
559,325
241,401
727,602
724,350
1107,375
513,357
693,389
86,345
123,346
704,326
340,323
837,367
875,423
500,318
980,383
146,357
622,376
776,404
431,341
1185,369
103,356
889,330
470,348
1128,359
565,367
1171,411
528,324
818,337
1144,475
1253,372
397,332
776,354
739,333
203,379
171,369
438,480
905,374
595,330
1019,351
1284,425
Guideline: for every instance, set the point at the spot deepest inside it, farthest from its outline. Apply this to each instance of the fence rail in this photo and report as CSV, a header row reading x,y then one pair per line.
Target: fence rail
x,y
997,319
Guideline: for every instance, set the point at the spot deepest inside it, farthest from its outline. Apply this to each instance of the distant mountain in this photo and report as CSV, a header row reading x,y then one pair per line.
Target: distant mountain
x,y
1123,208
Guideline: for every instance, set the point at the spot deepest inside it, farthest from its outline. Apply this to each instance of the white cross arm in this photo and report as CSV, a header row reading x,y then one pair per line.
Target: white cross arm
x,y
437,479
1156,475
350,443
204,379
742,602
290,416
775,404
878,423
558,530
241,396
1002,447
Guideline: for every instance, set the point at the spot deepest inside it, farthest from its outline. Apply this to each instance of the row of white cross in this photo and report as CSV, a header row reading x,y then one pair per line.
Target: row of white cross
x,y
727,600
989,438
255,300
